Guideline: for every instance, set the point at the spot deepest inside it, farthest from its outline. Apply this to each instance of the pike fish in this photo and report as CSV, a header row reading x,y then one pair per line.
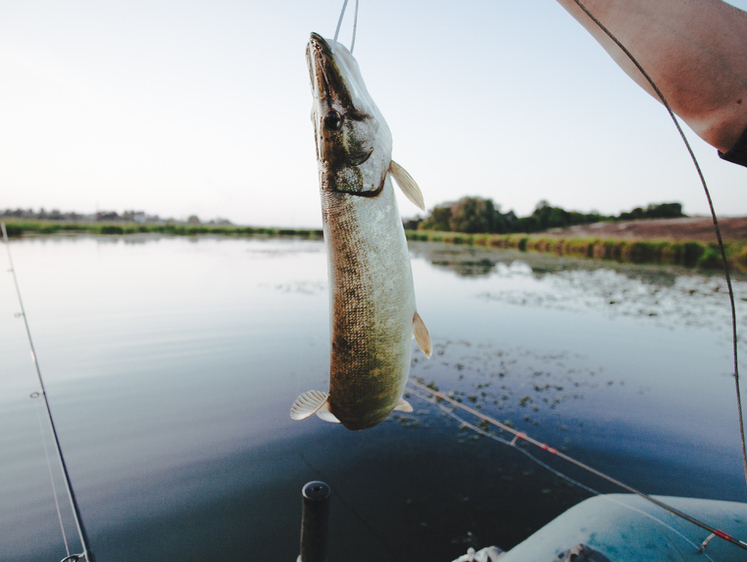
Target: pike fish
x,y
372,299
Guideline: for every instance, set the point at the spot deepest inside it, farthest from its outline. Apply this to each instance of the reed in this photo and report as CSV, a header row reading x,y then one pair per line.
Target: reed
x,y
692,254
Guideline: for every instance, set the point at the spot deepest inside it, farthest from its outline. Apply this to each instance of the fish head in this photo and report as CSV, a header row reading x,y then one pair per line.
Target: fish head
x,y
353,141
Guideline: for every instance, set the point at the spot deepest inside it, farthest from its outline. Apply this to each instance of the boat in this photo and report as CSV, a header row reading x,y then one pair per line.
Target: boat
x,y
627,527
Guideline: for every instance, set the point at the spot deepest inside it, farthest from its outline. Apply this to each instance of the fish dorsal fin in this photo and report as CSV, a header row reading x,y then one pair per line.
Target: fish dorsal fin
x,y
403,406
407,184
312,402
421,335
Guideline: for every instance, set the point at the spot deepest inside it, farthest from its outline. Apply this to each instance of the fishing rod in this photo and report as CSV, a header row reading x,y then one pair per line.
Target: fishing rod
x,y
451,412
87,553
520,435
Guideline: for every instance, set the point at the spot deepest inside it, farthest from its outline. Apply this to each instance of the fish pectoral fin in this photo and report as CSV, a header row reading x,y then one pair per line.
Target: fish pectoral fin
x,y
407,184
307,404
421,335
310,403
403,406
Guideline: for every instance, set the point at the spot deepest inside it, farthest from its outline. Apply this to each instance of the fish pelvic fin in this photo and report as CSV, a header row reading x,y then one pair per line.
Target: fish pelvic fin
x,y
421,335
312,402
407,184
403,406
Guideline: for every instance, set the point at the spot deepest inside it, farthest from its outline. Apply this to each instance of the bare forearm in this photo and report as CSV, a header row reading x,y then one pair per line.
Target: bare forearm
x,y
694,50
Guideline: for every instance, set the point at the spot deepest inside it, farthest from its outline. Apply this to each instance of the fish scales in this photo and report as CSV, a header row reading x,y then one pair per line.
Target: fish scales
x,y
372,305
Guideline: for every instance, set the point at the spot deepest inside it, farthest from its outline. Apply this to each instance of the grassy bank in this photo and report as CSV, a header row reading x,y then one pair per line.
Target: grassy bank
x,y
687,254
21,228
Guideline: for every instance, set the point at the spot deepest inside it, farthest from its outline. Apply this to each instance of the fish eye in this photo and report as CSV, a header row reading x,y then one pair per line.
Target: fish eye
x,y
333,120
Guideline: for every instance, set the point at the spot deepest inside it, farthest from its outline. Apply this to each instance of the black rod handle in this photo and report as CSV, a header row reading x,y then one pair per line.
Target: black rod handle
x,y
314,522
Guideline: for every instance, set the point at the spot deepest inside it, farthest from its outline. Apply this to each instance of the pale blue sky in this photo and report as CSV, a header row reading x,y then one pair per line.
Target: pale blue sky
x,y
203,107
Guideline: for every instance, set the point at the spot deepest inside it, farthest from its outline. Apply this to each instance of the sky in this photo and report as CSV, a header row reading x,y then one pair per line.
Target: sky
x,y
203,107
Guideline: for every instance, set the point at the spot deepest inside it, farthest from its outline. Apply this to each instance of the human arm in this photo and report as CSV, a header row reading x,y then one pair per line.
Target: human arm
x,y
694,50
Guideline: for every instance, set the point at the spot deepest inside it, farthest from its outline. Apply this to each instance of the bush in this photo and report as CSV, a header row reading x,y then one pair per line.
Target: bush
x,y
739,259
13,230
604,249
73,226
498,242
111,229
711,259
691,253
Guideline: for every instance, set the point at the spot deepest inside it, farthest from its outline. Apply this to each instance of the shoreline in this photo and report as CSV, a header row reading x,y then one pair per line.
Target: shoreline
x,y
682,242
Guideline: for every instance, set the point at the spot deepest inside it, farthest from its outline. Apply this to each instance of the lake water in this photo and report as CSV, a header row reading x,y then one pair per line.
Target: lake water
x,y
171,365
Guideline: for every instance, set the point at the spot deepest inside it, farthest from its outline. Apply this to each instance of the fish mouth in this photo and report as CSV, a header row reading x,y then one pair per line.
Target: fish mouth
x,y
336,78
316,41
327,81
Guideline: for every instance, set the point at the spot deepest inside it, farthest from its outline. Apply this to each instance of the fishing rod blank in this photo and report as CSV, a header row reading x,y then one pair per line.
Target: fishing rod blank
x,y
82,535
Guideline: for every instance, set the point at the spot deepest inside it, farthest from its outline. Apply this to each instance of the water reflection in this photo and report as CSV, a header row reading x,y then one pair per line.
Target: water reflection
x,y
470,261
669,296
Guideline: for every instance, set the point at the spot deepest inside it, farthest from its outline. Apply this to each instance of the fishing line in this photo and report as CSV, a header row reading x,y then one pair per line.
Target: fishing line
x,y
494,437
339,21
355,23
713,216
555,471
34,396
677,550
82,535
519,435
355,27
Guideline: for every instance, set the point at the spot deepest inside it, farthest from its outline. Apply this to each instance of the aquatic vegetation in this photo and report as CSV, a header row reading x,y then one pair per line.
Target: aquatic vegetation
x,y
669,301
529,387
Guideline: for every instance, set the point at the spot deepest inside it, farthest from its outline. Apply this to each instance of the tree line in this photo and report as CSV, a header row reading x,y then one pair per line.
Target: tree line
x,y
104,216
475,215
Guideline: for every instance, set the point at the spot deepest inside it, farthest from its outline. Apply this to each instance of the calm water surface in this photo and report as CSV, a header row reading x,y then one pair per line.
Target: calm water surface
x,y
171,365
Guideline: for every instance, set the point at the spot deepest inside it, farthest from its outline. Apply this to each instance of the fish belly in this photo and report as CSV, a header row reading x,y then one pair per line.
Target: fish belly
x,y
372,303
